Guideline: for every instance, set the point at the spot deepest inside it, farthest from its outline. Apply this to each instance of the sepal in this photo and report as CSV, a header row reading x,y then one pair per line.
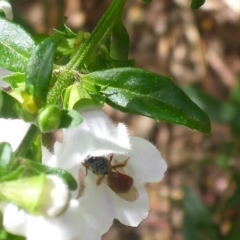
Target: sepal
x,y
39,69
46,195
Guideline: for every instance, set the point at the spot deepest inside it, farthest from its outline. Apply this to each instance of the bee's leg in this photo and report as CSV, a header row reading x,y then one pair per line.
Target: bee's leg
x,y
99,180
120,164
86,168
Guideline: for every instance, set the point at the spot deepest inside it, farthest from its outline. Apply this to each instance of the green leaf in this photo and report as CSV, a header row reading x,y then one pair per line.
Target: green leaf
x,y
5,157
13,174
39,69
190,230
9,104
64,30
14,79
235,93
234,200
16,46
198,221
103,61
233,234
137,91
120,42
235,124
217,110
70,118
195,4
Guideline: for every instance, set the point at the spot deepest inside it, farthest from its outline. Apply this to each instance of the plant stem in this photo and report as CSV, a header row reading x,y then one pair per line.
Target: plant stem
x,y
26,142
87,48
103,28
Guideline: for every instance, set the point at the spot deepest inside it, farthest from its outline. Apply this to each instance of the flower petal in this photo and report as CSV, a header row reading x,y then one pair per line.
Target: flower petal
x,y
104,204
13,131
13,219
145,163
131,213
69,226
96,135
97,202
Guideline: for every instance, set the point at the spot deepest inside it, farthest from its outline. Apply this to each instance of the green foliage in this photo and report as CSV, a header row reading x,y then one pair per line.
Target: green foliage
x,y
234,200
119,40
51,118
148,94
16,46
39,69
92,70
218,111
15,79
195,4
76,97
147,1
36,168
198,222
233,234
223,112
8,105
70,118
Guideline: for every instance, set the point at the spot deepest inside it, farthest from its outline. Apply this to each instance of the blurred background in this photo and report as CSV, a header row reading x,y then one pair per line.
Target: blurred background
x,y
199,197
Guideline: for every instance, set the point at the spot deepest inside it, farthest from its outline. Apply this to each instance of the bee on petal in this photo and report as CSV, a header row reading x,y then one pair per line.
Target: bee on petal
x,y
120,183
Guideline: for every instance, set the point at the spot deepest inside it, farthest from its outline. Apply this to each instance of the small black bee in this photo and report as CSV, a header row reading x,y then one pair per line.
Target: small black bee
x,y
120,183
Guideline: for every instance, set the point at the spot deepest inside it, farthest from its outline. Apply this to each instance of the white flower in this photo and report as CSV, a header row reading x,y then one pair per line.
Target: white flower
x,y
12,131
46,195
98,136
73,224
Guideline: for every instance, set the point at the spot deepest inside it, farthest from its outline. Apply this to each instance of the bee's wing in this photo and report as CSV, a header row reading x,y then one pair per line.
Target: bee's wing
x,y
122,185
131,195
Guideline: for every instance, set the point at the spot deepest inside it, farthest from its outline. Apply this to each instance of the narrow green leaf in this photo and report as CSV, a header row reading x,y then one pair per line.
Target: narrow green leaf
x,y
39,69
120,41
137,91
195,4
15,79
16,46
12,175
9,104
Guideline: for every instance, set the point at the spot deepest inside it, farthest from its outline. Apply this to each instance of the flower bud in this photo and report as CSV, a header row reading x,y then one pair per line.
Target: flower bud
x,y
49,118
7,8
46,195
